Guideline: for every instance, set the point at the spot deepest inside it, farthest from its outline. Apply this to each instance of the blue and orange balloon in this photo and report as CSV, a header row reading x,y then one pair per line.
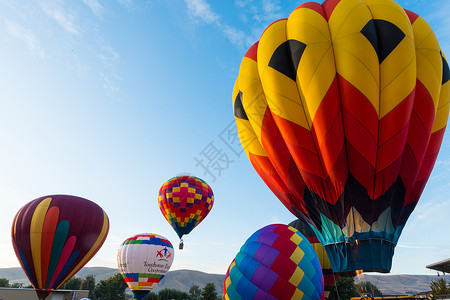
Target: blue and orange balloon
x,y
276,262
185,201
341,109
55,236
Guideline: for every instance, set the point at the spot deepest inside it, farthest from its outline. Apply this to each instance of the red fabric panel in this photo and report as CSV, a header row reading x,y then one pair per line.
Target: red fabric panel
x,y
329,6
252,52
411,15
314,6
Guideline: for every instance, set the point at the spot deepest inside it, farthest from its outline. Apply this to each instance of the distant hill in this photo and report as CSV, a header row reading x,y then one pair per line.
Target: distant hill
x,y
400,284
183,280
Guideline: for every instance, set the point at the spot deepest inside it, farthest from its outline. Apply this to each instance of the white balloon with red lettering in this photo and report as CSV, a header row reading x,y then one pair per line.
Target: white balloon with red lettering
x,y
143,261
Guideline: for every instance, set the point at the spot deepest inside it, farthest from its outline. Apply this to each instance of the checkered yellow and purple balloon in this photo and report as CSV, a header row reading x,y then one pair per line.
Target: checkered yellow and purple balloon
x,y
276,262
185,201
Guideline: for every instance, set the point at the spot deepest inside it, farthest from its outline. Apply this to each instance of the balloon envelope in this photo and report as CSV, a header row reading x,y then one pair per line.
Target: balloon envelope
x,y
341,109
144,260
55,236
276,262
185,201
328,275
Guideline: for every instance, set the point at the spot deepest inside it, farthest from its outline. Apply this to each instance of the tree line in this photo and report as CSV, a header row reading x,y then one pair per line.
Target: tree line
x,y
114,288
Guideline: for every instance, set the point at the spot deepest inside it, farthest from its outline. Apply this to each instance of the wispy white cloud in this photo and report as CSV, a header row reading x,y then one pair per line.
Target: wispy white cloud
x,y
414,246
242,3
271,10
127,3
26,36
433,211
110,58
201,10
66,19
234,35
95,6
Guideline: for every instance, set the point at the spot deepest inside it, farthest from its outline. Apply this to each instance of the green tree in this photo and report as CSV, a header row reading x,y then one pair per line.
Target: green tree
x,y
16,285
365,287
166,294
4,282
89,284
73,283
112,288
440,287
195,292
345,289
151,296
209,292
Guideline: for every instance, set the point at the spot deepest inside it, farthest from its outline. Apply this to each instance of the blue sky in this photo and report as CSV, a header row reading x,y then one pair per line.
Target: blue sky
x,y
109,99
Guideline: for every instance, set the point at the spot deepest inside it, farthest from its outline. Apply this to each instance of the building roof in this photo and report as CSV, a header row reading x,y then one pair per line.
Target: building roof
x,y
443,266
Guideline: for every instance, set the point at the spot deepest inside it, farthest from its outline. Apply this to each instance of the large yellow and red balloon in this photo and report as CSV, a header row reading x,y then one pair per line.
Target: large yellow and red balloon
x,y
185,201
341,109
55,236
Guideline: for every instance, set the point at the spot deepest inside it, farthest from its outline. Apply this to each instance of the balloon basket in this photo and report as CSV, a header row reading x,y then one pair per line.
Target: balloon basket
x,y
181,245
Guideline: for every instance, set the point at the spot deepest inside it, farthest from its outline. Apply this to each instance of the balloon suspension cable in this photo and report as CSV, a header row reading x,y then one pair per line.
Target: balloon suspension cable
x,y
337,292
181,244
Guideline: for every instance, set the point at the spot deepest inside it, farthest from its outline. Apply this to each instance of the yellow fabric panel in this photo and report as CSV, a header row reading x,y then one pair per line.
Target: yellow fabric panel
x,y
440,121
37,222
398,70
247,135
297,255
175,189
297,295
323,257
92,251
281,92
296,238
317,66
184,184
297,276
429,61
253,99
356,59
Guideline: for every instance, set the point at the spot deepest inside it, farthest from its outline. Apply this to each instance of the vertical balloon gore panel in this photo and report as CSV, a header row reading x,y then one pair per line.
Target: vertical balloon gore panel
x,y
347,103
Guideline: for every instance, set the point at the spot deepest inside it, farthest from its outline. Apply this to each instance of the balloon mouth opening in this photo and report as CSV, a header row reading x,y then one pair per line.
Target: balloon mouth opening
x,y
349,259
42,294
140,294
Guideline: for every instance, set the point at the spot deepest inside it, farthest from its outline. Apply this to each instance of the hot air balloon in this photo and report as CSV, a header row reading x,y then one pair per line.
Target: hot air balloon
x,y
328,276
143,260
276,262
55,236
341,109
185,201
